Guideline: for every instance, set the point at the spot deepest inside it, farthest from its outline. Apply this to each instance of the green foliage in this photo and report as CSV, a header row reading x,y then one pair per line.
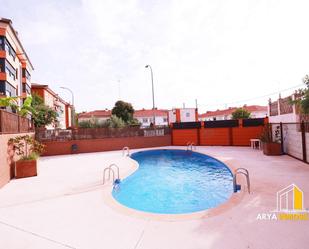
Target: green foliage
x,y
265,136
240,113
134,122
42,114
303,100
26,147
112,122
92,123
123,110
9,102
115,122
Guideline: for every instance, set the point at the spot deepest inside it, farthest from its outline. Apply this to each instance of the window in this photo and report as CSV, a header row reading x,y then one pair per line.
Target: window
x,y
2,42
26,74
145,120
8,89
2,65
10,70
26,88
188,114
9,49
165,120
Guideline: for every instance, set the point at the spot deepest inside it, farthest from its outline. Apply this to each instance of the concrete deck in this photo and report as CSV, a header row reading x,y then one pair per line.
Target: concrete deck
x,y
65,207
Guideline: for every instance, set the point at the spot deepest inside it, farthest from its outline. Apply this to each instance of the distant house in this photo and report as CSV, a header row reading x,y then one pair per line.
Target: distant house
x,y
99,115
183,115
52,100
146,117
256,111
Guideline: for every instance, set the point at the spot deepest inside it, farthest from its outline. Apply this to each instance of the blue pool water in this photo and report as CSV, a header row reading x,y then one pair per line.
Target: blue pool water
x,y
174,182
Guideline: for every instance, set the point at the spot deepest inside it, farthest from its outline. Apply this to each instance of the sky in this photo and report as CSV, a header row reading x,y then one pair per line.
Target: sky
x,y
222,53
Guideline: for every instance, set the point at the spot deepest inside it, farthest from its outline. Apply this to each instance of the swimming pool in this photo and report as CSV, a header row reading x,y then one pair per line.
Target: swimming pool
x,y
175,182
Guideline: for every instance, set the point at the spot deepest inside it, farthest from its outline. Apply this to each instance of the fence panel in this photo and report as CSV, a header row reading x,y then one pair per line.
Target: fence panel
x,y
13,123
99,133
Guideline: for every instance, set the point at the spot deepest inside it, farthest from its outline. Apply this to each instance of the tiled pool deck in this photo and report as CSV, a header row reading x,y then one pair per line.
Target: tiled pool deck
x,y
66,206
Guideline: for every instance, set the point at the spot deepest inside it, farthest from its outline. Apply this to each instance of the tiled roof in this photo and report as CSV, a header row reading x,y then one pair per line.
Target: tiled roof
x,y
150,113
229,111
96,114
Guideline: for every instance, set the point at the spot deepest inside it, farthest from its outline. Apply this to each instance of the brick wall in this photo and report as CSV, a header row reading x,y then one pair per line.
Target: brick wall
x,y
106,144
6,157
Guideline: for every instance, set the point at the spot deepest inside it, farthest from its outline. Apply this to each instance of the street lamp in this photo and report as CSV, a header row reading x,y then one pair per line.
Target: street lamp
x,y
73,108
153,102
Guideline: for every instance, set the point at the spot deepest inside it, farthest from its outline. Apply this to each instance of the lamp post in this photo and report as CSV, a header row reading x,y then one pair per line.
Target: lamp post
x,y
73,108
153,102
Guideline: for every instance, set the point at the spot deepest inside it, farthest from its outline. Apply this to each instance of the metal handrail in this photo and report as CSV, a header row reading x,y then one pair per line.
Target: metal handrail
x,y
245,172
109,170
114,165
124,149
193,144
188,144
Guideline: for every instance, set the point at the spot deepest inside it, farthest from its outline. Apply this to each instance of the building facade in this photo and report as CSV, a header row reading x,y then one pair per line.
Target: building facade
x,y
51,99
226,114
147,117
15,66
179,115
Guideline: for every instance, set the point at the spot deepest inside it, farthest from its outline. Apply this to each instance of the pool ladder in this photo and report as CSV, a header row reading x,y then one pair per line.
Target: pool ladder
x,y
191,145
244,172
126,151
108,170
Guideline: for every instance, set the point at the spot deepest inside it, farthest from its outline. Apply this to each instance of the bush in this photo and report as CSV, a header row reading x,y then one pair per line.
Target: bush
x,y
115,122
240,113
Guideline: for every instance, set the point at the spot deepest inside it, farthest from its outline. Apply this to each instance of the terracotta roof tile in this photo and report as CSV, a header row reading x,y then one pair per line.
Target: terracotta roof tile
x,y
150,113
250,108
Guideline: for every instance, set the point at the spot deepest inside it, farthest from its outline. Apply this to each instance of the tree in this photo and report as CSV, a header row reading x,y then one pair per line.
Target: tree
x,y
123,110
240,113
303,100
42,114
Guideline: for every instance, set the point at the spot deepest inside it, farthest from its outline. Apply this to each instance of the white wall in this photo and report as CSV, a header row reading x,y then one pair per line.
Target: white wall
x,y
292,140
172,116
187,115
159,120
285,118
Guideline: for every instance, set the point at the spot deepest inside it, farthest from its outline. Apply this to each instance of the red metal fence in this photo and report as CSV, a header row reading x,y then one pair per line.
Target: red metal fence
x,y
13,123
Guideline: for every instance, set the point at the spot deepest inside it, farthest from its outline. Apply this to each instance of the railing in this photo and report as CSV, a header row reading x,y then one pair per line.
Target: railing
x,y
99,133
13,123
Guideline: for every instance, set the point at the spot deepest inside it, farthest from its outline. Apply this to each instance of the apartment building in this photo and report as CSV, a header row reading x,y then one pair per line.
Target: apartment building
x,y
53,100
147,117
226,114
15,65
182,115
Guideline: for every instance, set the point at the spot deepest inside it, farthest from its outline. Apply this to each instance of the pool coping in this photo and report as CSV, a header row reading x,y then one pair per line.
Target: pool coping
x,y
233,201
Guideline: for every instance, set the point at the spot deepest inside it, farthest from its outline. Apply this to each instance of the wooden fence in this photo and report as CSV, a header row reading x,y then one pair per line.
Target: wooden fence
x,y
13,123
99,133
